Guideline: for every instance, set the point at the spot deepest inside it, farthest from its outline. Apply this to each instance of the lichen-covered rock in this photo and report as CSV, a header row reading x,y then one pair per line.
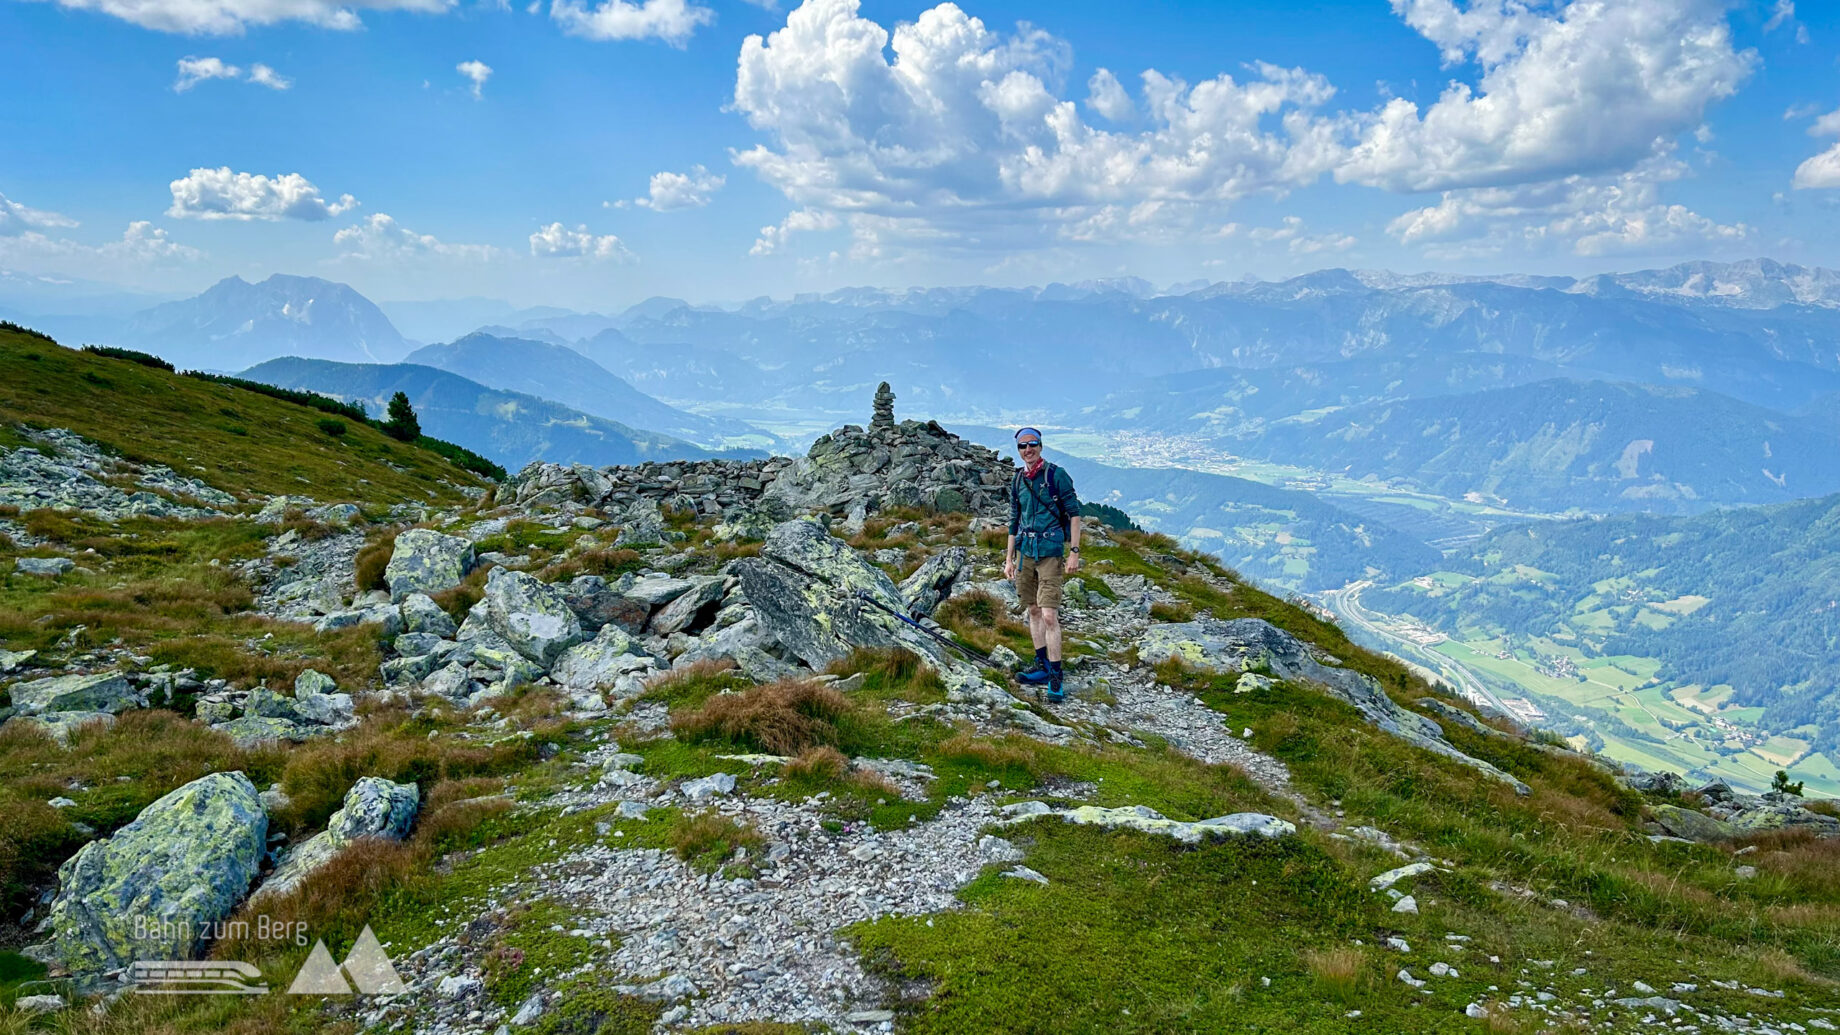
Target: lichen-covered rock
x,y
249,731
101,692
599,603
47,567
425,561
420,614
59,725
1694,826
655,591
599,663
1248,644
150,891
530,615
374,807
317,700
267,704
1150,821
388,620
690,609
643,524
932,581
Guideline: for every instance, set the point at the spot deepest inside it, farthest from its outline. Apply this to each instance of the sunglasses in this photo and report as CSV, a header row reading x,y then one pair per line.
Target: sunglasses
x,y
1028,445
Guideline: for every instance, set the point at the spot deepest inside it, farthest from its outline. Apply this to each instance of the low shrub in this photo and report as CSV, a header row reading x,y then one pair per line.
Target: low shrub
x,y
132,356
706,840
331,426
371,561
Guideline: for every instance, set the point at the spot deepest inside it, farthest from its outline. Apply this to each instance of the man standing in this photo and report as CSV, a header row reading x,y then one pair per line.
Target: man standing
x,y
1044,527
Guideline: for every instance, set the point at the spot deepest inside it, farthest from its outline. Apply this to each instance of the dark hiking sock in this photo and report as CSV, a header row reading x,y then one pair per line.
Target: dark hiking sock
x,y
1041,655
1054,667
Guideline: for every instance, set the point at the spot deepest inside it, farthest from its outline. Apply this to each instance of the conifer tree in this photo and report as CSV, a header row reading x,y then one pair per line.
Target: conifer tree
x,y
402,423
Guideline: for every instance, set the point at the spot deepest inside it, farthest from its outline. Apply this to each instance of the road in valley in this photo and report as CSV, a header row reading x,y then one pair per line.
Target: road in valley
x,y
1346,603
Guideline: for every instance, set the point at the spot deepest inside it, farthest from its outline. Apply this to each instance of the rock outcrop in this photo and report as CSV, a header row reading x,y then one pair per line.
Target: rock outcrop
x,y
1255,645
374,807
425,561
150,891
68,472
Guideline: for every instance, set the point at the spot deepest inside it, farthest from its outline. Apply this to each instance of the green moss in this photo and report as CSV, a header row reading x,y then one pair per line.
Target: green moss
x,y
532,949
586,1006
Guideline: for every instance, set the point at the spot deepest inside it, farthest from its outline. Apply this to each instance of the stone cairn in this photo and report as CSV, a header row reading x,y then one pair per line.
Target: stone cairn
x,y
883,416
850,470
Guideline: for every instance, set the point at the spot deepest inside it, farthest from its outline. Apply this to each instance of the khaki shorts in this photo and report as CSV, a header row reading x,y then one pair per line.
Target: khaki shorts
x,y
1038,580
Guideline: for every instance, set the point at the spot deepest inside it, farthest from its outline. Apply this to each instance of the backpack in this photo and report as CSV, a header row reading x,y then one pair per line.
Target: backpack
x,y
1017,481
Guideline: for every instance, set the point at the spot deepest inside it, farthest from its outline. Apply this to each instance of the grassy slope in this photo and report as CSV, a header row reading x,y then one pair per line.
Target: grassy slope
x,y
235,440
1133,932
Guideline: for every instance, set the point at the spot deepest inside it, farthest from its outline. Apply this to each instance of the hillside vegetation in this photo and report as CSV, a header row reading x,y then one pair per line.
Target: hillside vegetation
x,y
844,845
243,443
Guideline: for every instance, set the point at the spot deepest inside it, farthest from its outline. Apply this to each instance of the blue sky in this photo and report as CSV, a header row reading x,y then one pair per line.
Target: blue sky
x,y
591,154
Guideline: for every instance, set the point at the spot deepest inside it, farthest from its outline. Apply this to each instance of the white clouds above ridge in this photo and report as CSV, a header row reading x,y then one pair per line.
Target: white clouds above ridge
x,y
223,194
556,241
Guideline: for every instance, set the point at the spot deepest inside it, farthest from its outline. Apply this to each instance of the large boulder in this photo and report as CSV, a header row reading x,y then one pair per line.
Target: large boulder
x,y
374,807
690,609
420,614
530,615
600,663
248,731
1253,644
1694,826
425,561
60,725
599,603
151,891
101,692
932,581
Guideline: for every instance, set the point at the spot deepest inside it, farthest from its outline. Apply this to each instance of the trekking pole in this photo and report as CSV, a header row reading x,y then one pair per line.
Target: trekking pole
x,y
983,659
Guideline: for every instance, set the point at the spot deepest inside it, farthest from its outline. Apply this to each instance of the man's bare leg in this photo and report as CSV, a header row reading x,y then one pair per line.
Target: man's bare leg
x,y
1050,635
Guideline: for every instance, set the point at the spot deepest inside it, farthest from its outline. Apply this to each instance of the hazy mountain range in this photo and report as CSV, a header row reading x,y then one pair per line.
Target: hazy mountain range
x,y
508,427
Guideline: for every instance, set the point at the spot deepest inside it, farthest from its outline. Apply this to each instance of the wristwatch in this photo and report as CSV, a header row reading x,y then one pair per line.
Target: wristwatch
x,y
1073,549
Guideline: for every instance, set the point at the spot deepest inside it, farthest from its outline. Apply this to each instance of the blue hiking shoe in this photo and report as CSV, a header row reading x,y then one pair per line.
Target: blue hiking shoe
x,y
1035,675
1055,694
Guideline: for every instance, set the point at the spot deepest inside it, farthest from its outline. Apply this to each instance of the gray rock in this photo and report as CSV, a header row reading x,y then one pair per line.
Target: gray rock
x,y
1024,873
49,567
643,524
387,618
36,1004
598,604
1243,644
714,785
420,614
599,663
416,645
425,561
1394,876
313,681
656,591
1694,826
101,692
265,703
932,582
530,615
252,730
325,709
13,659
374,807
151,890
691,608
59,725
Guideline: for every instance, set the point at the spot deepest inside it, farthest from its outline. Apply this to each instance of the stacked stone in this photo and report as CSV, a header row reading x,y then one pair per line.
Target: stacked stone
x,y
849,470
883,416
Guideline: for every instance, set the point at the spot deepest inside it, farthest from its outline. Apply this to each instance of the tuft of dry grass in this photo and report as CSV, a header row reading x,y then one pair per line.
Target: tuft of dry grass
x,y
708,839
372,559
1172,612
821,764
983,621
604,562
783,718
1341,973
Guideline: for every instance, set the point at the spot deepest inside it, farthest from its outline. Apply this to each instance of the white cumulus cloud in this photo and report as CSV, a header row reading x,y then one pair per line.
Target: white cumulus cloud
x,y
556,241
232,17
671,190
1105,95
1823,170
1290,233
1584,214
381,238
195,70
142,246
672,21
1590,86
223,194
804,220
478,72
17,219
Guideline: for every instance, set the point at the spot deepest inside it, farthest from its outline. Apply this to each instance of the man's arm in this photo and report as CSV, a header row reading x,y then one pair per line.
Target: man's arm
x,y
1009,557
1073,543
